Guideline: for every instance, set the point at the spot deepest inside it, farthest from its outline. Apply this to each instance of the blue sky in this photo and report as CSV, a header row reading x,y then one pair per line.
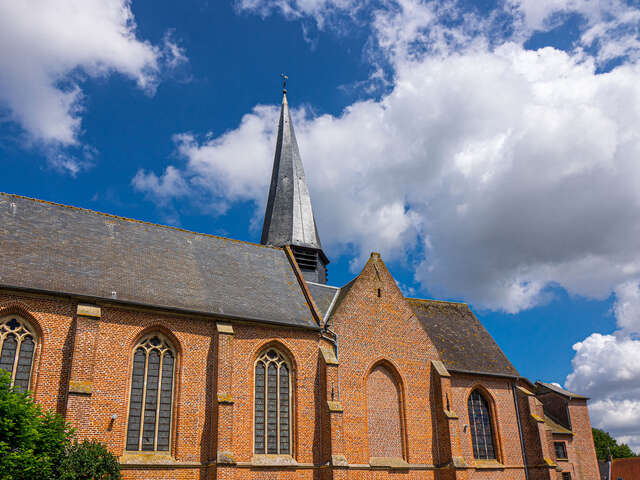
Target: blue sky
x,y
488,149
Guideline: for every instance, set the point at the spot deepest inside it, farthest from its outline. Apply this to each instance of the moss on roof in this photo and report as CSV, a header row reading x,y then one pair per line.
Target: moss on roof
x,y
461,340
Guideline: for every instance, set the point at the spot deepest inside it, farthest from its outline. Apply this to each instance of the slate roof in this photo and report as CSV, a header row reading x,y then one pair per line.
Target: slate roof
x,y
461,340
55,248
560,390
288,219
323,296
556,427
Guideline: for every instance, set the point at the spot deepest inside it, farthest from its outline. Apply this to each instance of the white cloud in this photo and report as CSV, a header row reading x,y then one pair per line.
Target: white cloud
x,y
606,368
512,170
611,27
504,171
47,48
220,171
319,10
627,307
169,185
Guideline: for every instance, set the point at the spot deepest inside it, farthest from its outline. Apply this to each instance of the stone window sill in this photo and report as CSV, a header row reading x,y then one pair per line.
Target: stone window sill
x,y
149,458
388,462
488,464
272,460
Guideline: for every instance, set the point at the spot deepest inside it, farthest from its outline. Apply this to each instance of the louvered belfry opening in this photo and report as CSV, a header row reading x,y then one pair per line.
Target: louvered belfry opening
x,y
272,404
481,427
307,258
288,218
150,404
17,349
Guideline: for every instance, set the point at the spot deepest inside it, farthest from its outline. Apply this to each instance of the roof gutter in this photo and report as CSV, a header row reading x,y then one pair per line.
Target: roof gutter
x,y
489,374
104,300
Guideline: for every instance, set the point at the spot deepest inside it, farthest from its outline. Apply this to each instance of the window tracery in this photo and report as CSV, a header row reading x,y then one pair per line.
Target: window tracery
x,y
482,436
17,350
272,418
151,398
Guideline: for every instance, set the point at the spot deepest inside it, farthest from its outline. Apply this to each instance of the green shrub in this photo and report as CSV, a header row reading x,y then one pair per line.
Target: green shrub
x,y
90,460
37,444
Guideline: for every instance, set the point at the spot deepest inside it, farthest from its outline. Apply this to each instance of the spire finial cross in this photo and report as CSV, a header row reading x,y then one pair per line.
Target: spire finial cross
x,y
284,82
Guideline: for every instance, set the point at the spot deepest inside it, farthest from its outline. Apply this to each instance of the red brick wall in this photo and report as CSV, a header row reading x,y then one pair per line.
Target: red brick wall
x,y
581,462
569,464
383,413
371,329
301,348
625,468
498,392
53,321
213,396
583,449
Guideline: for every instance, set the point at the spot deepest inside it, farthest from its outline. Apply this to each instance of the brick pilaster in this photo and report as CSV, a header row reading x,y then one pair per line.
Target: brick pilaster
x,y
224,374
82,364
449,458
334,414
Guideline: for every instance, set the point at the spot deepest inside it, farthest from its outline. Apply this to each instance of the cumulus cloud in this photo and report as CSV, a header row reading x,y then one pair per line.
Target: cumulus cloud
x,y
219,171
609,27
47,48
506,171
495,170
167,186
606,368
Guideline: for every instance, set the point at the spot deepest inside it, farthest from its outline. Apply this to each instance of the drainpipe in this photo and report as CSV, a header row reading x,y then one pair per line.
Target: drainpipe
x,y
437,469
524,455
334,342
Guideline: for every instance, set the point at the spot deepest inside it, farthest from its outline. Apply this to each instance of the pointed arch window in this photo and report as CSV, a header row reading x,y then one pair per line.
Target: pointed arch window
x,y
17,350
481,425
272,418
151,399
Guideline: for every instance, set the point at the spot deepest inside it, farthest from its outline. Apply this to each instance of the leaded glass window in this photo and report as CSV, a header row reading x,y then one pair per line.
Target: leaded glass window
x,y
481,427
272,404
561,450
151,400
17,349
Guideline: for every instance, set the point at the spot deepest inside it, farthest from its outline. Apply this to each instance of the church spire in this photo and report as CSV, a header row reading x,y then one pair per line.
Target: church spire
x,y
289,219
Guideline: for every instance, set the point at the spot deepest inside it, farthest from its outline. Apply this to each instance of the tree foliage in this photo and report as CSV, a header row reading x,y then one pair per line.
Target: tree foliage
x,y
607,445
90,460
37,444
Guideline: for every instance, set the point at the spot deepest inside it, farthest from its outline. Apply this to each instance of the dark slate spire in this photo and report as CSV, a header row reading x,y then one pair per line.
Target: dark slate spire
x,y
289,219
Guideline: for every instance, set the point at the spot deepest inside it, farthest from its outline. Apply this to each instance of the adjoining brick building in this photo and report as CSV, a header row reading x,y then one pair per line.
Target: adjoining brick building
x,y
620,469
199,357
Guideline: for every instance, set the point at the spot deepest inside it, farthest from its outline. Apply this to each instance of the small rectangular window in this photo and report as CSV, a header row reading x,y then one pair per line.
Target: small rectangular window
x,y
566,476
561,450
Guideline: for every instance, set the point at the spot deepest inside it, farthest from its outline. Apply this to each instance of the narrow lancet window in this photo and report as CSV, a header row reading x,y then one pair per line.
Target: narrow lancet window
x,y
481,427
151,399
272,423
17,349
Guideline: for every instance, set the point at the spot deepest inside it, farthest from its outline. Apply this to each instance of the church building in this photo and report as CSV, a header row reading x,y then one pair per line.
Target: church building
x,y
193,356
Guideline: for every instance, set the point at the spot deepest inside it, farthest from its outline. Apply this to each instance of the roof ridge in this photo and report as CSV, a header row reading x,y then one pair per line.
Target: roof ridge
x,y
142,222
322,284
437,301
